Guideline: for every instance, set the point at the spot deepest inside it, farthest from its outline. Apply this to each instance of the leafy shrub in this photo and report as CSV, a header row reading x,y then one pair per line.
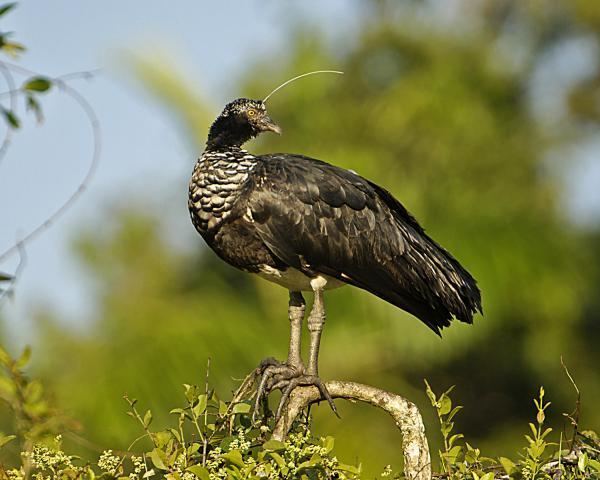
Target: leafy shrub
x,y
213,439
540,459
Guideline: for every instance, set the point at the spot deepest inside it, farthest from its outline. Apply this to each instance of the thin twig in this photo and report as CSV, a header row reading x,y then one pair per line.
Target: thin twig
x,y
574,416
205,440
84,74
10,82
4,294
83,185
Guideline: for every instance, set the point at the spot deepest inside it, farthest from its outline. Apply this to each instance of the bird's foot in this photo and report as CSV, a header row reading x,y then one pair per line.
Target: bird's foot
x,y
276,375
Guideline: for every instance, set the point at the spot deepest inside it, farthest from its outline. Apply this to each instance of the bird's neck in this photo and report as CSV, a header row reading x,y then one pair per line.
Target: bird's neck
x,y
227,133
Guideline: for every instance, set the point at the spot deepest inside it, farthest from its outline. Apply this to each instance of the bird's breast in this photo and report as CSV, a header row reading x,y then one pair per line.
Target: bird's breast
x,y
215,186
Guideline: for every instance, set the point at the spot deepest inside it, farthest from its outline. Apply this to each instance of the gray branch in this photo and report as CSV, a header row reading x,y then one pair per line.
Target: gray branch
x,y
417,461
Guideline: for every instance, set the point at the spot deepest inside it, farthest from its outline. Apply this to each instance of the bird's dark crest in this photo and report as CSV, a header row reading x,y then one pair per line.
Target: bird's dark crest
x,y
240,120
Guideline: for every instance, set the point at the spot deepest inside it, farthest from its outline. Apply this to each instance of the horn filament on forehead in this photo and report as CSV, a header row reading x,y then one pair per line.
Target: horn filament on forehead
x,y
298,77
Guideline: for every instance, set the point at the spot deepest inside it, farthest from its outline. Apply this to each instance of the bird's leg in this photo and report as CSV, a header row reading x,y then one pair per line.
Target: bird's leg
x,y
316,320
296,310
273,371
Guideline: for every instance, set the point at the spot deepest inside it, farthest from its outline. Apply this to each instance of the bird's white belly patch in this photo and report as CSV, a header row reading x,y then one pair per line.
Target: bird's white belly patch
x,y
294,280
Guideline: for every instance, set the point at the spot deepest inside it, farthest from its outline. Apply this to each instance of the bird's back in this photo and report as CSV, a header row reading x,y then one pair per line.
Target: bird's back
x,y
319,218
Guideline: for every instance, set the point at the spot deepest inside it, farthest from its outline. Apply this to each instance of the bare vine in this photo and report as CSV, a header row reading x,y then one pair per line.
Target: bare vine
x,y
61,82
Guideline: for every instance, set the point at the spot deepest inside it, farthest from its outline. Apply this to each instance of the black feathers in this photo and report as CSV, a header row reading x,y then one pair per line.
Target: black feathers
x,y
319,218
273,213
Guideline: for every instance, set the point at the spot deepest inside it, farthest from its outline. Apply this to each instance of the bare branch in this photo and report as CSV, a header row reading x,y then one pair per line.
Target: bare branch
x,y
573,416
68,203
417,461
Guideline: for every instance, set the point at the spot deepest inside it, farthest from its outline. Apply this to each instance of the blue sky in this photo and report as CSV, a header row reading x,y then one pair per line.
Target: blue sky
x,y
144,154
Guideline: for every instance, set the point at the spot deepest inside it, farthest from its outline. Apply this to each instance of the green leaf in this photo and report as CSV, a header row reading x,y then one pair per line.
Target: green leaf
x,y
199,471
162,438
328,443
5,439
274,445
454,411
11,48
234,457
158,458
33,392
38,84
5,277
200,406
445,404
595,464
508,465
540,417
147,418
278,460
193,448
4,357
23,360
487,476
241,408
4,9
349,468
452,454
454,438
34,106
11,118
582,462
190,392
430,394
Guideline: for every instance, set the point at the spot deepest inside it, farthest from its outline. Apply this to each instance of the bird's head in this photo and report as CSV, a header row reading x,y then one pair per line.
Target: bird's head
x,y
240,121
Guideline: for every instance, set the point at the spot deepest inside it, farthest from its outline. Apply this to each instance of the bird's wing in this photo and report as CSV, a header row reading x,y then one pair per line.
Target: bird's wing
x,y
319,218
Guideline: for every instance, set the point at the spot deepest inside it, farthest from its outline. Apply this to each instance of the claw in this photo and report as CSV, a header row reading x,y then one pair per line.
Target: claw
x,y
275,375
307,380
325,394
269,370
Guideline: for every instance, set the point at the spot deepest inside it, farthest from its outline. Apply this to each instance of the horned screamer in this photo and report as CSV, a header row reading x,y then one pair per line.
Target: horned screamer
x,y
311,226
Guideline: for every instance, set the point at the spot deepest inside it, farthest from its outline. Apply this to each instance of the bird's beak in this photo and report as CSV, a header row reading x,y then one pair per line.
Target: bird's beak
x,y
268,125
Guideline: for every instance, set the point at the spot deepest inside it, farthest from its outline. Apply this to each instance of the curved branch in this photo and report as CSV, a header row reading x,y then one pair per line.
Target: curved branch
x,y
417,461
95,124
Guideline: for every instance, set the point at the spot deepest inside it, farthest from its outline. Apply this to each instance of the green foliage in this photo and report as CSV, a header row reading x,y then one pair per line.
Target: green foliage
x,y
30,89
211,439
34,418
540,459
439,116
37,84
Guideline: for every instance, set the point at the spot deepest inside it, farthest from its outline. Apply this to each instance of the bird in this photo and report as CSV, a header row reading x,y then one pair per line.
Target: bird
x,y
310,226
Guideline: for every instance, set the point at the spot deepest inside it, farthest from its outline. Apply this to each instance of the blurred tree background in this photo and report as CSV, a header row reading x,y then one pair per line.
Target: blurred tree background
x,y
451,116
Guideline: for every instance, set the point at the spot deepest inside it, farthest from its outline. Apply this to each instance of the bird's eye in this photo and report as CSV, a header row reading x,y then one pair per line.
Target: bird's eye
x,y
251,113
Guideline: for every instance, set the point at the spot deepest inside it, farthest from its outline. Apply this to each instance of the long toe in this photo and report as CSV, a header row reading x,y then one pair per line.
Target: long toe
x,y
272,372
287,386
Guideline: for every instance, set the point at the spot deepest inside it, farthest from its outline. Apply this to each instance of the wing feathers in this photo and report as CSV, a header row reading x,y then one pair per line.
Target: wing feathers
x,y
320,218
